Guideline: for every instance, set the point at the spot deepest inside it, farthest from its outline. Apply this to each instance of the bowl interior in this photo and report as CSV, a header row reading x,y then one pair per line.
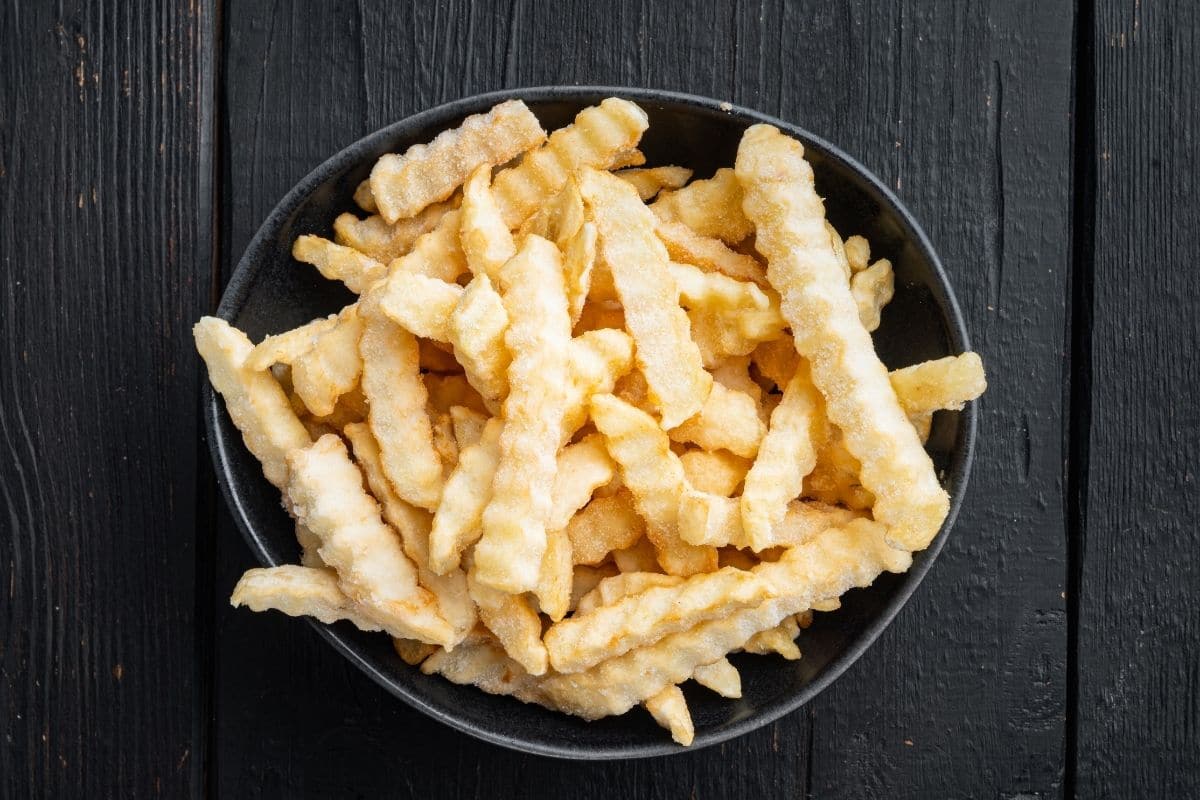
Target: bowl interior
x,y
270,292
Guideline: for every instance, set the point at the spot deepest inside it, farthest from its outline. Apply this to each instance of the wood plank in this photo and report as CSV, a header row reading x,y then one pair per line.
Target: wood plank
x,y
105,247
972,673
963,110
1138,628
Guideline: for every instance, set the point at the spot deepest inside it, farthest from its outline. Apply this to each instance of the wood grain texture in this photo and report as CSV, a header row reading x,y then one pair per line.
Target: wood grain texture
x,y
964,111
1139,628
105,261
964,694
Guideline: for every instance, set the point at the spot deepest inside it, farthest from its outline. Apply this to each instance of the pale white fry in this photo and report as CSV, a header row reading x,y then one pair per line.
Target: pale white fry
x,y
597,360
447,391
630,157
839,249
286,347
585,578
717,471
638,620
836,561
391,381
559,218
641,556
599,137
785,457
477,327
553,590
413,524
486,240
816,301
734,373
780,640
728,420
579,261
602,526
873,288
669,709
435,254
402,185
514,621
625,584
776,360
639,265
299,592
720,335
468,426
482,662
325,493
858,253
331,367
582,468
714,292
720,676
650,181
337,263
509,554
310,546
686,246
255,401
419,304
711,207
943,384
374,237
457,522
654,476
443,441
363,197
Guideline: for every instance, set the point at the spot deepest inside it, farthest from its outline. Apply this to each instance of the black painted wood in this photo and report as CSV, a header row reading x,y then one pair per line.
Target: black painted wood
x,y
105,261
965,112
1139,627
130,134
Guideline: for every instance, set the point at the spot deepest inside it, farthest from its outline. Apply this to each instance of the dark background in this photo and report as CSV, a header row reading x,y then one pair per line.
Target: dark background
x,y
1047,148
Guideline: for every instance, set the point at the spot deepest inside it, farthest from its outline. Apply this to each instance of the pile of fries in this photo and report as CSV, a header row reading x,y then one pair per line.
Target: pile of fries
x,y
590,427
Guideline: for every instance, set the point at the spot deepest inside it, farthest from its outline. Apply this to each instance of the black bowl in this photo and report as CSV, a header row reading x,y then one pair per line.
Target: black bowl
x,y
269,292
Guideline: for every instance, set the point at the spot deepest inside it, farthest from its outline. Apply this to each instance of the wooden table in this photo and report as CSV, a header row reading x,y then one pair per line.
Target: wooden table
x,y
1049,150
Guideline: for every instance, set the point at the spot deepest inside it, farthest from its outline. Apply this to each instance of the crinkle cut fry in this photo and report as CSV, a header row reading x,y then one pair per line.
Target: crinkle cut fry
x,y
711,207
255,401
786,455
838,560
299,592
669,709
508,556
336,262
598,135
655,477
413,524
375,238
641,274
587,639
325,491
403,185
392,382
513,620
456,523
789,218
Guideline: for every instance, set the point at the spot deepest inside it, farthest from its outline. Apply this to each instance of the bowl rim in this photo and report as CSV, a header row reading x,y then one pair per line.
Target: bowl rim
x,y
241,279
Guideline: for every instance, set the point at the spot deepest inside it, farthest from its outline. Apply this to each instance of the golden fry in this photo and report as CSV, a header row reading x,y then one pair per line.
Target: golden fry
x,y
640,269
790,224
